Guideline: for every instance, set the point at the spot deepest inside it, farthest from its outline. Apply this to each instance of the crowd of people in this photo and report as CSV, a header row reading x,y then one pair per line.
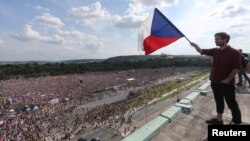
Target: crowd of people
x,y
37,108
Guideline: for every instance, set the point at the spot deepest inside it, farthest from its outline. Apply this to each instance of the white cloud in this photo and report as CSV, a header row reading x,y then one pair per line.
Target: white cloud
x,y
140,6
128,21
200,3
138,11
229,10
75,39
92,41
89,15
49,20
70,33
158,3
241,23
135,15
1,43
219,1
81,39
41,9
29,33
233,10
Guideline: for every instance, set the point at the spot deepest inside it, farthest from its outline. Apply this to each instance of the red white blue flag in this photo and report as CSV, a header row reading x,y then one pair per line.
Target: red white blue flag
x,y
156,32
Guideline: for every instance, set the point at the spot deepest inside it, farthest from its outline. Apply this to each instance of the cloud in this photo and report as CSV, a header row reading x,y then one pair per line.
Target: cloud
x,y
70,33
63,37
29,34
229,11
92,41
236,35
89,15
81,39
82,42
1,42
41,9
219,1
140,6
239,25
135,14
42,28
138,11
158,3
233,10
128,21
240,28
49,20
201,3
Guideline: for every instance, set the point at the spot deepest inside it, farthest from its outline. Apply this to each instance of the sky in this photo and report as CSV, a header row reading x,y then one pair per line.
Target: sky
x,y
54,30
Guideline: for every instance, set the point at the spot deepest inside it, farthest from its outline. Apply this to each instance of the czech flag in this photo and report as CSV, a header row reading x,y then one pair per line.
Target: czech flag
x,y
156,32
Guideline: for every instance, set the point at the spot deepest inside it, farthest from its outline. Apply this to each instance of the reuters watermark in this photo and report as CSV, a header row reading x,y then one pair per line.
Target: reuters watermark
x,y
241,132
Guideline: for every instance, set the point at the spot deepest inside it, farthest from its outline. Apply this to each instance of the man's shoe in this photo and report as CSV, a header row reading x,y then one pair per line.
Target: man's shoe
x,y
233,123
214,121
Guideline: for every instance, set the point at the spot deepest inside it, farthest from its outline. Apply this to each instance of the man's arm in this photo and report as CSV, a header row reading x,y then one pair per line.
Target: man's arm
x,y
196,47
230,76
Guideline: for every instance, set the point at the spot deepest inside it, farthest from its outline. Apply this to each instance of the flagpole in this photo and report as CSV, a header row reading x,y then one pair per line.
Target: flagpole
x,y
187,39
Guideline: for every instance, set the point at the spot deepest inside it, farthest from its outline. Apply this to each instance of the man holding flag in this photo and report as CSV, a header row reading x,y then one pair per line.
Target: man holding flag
x,y
157,31
226,64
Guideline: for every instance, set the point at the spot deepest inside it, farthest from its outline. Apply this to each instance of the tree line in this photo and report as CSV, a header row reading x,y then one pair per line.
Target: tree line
x,y
51,69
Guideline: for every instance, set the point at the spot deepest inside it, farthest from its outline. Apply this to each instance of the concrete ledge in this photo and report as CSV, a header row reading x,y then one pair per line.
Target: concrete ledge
x,y
184,107
204,93
149,130
171,113
192,96
204,86
186,101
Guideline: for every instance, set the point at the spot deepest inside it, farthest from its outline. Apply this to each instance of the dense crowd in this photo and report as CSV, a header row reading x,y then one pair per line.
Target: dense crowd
x,y
37,108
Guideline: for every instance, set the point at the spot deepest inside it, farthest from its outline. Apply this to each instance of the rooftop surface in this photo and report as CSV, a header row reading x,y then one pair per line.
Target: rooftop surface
x,y
192,126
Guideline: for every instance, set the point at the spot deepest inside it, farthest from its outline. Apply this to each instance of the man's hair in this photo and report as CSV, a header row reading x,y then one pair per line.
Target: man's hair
x,y
223,35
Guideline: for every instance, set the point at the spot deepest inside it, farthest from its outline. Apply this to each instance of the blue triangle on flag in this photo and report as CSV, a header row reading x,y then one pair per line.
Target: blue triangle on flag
x,y
162,27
